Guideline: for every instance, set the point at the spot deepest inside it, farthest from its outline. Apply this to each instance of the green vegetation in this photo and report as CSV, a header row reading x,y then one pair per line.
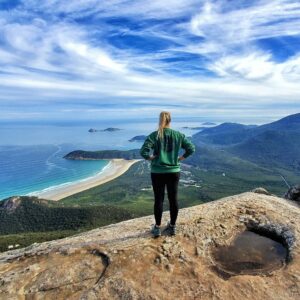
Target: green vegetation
x,y
272,149
104,154
26,220
29,215
229,175
21,240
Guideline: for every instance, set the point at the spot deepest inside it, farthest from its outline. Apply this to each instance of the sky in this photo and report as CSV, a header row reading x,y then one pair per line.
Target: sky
x,y
226,60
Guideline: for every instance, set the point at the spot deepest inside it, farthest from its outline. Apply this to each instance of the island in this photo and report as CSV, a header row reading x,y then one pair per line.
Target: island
x,y
208,123
138,138
109,129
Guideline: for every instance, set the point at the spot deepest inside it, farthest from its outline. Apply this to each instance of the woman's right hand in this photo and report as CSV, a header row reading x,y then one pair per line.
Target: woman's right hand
x,y
180,158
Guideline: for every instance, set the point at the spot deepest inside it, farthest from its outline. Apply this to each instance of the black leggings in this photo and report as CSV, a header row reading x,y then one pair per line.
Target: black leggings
x,y
159,181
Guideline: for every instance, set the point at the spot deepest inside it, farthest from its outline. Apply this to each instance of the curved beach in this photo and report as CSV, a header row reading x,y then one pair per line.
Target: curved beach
x,y
115,168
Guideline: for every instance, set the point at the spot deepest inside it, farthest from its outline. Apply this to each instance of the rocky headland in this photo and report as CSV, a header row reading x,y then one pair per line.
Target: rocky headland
x,y
138,138
123,261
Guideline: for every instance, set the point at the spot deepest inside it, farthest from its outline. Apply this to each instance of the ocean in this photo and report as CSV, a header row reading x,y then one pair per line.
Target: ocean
x,y
31,155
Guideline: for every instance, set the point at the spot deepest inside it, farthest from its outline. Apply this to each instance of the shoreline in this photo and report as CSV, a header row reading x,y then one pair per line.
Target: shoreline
x,y
115,168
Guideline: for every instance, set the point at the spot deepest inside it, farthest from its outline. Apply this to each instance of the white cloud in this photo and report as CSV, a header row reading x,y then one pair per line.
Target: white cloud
x,y
51,58
264,20
290,69
94,56
109,8
254,65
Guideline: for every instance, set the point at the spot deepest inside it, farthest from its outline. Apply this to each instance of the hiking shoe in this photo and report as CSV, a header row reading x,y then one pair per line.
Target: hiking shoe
x,y
156,231
171,229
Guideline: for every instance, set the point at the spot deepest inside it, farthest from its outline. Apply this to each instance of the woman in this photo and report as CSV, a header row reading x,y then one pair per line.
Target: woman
x,y
165,168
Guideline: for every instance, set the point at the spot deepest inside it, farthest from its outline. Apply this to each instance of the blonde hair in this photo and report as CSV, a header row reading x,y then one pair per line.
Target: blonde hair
x,y
164,121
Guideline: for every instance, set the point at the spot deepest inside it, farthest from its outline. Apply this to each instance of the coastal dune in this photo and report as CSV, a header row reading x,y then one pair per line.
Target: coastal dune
x,y
115,168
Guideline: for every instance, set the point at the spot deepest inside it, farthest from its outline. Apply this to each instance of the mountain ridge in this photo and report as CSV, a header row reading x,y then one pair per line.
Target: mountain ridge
x,y
233,133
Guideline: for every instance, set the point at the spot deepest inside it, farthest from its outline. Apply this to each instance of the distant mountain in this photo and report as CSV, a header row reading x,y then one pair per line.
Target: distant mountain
x,y
234,133
275,148
30,214
223,134
225,128
103,154
208,123
275,145
290,123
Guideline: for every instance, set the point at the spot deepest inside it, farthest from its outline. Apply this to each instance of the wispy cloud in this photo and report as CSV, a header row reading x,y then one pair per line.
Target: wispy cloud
x,y
190,56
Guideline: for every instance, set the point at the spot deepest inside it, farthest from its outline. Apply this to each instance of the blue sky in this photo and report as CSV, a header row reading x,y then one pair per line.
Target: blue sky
x,y
86,59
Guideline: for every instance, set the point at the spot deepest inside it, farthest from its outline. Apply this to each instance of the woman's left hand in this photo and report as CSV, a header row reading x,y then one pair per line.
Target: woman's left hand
x,y
152,157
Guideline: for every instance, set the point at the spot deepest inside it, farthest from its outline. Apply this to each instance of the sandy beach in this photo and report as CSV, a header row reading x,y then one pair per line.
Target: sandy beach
x,y
115,168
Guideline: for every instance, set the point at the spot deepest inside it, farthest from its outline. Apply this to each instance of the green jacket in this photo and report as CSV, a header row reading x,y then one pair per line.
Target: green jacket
x,y
166,150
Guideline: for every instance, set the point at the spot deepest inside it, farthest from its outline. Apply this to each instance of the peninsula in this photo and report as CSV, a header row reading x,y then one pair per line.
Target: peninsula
x,y
138,138
103,154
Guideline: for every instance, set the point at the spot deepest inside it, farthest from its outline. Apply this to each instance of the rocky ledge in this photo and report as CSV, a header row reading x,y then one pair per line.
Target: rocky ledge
x,y
123,261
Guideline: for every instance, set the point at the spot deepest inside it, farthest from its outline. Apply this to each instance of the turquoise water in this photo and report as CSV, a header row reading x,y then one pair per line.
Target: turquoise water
x,y
28,169
31,156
